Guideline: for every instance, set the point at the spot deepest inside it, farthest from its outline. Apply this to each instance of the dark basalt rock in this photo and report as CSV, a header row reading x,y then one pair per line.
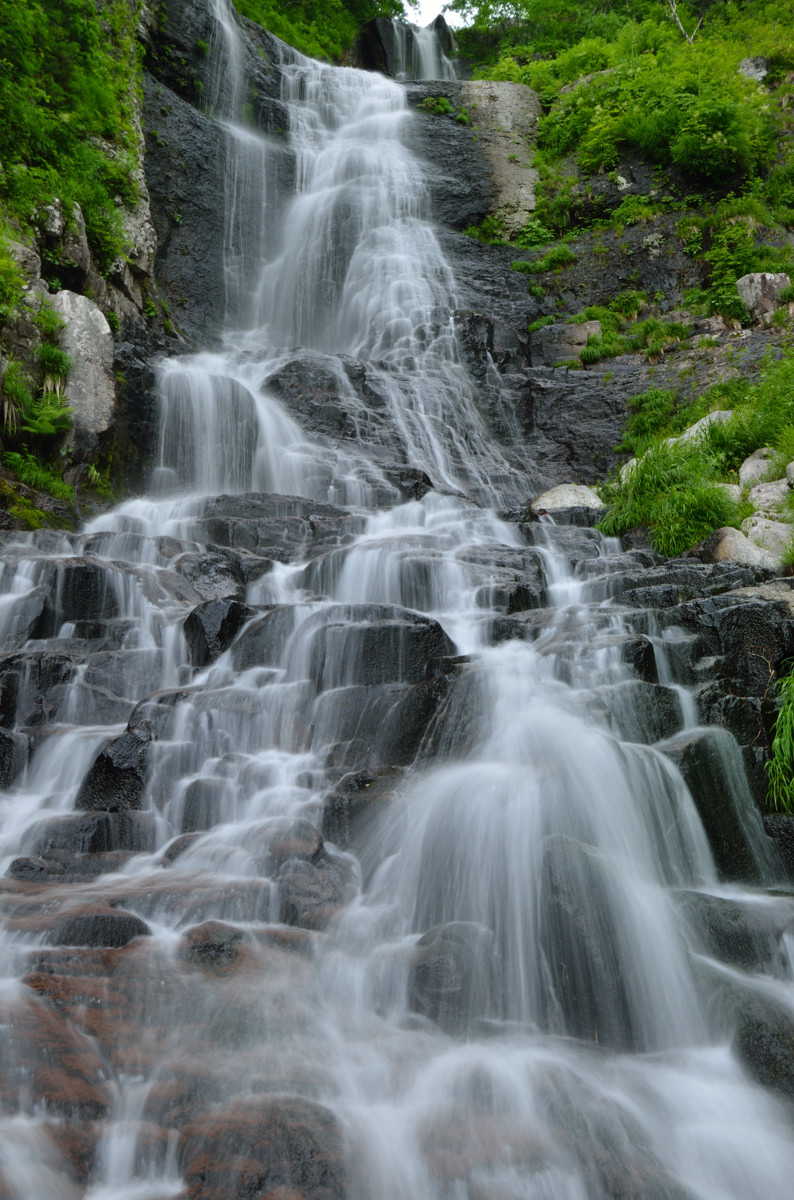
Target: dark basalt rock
x,y
204,804
455,975
264,641
780,827
82,590
98,927
212,627
587,997
281,528
309,894
117,779
95,833
764,1041
277,1146
712,769
212,946
13,756
292,839
734,933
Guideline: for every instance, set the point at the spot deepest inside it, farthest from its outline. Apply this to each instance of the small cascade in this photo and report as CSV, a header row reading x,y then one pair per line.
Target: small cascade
x,y
357,838
419,53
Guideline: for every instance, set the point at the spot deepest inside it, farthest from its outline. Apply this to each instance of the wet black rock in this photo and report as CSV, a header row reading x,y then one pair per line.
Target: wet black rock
x,y
30,869
204,804
95,833
212,945
455,975
292,839
212,627
765,1043
277,1146
711,765
13,756
98,927
279,528
780,827
738,934
587,995
309,894
117,779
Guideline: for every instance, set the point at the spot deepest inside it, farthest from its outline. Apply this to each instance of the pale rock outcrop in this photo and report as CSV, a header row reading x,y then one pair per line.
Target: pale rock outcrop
x,y
766,498
562,342
695,432
506,116
729,545
90,388
774,536
567,495
760,292
756,466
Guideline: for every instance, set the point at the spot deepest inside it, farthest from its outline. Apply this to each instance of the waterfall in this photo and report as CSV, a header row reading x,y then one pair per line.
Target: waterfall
x,y
410,915
418,53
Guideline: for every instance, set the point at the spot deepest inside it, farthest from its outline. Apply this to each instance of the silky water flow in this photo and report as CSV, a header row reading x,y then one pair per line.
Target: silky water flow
x,y
508,1000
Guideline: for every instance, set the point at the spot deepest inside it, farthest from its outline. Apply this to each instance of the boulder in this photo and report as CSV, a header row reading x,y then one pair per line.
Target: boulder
x,y
734,933
760,292
729,545
565,496
767,498
212,945
309,894
97,926
553,344
117,778
212,627
270,1146
711,766
764,1041
697,431
774,536
755,466
90,389
454,976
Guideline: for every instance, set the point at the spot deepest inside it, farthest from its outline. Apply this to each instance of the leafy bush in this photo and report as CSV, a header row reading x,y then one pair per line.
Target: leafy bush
x,y
651,412
671,491
35,474
556,259
780,768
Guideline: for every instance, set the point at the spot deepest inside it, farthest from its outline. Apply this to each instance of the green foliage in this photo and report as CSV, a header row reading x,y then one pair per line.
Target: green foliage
x,y
55,364
651,411
38,475
10,282
490,232
787,295
533,233
534,326
67,89
17,394
48,322
323,29
780,768
112,319
556,259
670,490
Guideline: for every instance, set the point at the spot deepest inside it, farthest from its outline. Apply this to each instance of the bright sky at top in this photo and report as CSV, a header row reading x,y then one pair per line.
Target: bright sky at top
x,y
427,10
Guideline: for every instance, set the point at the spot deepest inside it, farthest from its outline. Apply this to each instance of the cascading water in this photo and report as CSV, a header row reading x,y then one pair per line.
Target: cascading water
x,y
503,993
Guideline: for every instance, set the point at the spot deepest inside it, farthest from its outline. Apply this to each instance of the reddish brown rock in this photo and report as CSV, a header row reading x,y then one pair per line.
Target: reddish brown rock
x,y
276,1146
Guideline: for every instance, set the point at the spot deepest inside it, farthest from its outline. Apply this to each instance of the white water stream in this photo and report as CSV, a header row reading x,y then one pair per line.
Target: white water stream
x,y
589,1056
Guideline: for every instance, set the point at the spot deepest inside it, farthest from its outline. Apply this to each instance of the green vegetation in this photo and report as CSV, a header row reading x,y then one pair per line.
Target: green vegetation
x,y
555,259
672,489
35,474
780,768
323,29
67,92
441,106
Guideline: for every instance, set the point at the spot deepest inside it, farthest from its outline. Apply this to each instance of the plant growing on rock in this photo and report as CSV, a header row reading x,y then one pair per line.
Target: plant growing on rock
x,y
780,768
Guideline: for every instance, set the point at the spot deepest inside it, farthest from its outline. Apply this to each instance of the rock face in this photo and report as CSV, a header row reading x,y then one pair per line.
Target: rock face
x,y
555,344
760,292
506,116
91,388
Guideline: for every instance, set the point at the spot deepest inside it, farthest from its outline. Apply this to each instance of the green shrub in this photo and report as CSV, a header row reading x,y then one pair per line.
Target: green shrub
x,y
534,326
780,768
556,259
651,412
490,232
440,106
670,491
55,364
35,474
17,395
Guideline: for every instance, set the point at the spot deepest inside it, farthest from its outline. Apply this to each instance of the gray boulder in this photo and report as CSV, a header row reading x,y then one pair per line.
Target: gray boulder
x,y
760,292
91,387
